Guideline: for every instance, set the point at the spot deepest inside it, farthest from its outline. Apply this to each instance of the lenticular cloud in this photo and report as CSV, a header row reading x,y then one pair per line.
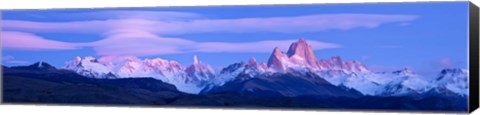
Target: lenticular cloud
x,y
21,40
123,35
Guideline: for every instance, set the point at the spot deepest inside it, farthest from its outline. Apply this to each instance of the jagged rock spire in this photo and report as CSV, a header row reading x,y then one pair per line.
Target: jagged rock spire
x,y
276,59
252,61
303,50
195,59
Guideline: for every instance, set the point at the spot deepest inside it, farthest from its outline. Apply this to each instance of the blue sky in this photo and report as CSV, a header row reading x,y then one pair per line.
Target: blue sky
x,y
423,36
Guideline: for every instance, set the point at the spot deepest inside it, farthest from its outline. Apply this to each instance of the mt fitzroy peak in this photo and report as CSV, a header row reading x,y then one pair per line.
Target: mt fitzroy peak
x,y
300,59
300,55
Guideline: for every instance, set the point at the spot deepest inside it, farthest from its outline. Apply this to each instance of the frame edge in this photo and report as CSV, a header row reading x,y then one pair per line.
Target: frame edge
x,y
474,57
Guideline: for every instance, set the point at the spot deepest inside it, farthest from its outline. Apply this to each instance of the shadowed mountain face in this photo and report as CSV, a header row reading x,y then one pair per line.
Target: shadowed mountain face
x,y
285,85
38,67
34,84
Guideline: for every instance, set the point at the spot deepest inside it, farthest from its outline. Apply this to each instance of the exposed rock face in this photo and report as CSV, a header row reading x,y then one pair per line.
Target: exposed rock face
x,y
277,60
199,71
301,56
302,53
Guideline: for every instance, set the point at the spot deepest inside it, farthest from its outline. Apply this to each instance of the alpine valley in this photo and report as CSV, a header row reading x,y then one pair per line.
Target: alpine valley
x,y
293,79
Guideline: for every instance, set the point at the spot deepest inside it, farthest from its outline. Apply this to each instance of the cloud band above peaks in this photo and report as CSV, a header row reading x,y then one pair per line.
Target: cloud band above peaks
x,y
297,24
139,34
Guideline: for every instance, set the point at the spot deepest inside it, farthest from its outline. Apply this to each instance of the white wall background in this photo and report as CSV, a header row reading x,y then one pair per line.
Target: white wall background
x,y
87,110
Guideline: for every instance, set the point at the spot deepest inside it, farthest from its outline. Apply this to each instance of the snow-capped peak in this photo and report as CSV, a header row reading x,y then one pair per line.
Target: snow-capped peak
x,y
455,80
404,71
454,71
337,63
448,74
199,70
187,80
90,67
197,76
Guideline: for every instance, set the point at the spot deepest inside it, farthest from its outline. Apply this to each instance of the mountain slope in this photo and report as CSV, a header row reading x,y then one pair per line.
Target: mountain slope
x,y
35,85
284,85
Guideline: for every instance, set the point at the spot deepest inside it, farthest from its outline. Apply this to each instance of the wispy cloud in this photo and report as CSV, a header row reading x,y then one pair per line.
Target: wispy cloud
x,y
12,60
141,43
136,14
139,34
256,47
308,23
113,14
28,41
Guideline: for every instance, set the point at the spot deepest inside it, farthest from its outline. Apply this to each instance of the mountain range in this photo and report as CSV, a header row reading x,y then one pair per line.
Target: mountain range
x,y
297,76
41,83
298,62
